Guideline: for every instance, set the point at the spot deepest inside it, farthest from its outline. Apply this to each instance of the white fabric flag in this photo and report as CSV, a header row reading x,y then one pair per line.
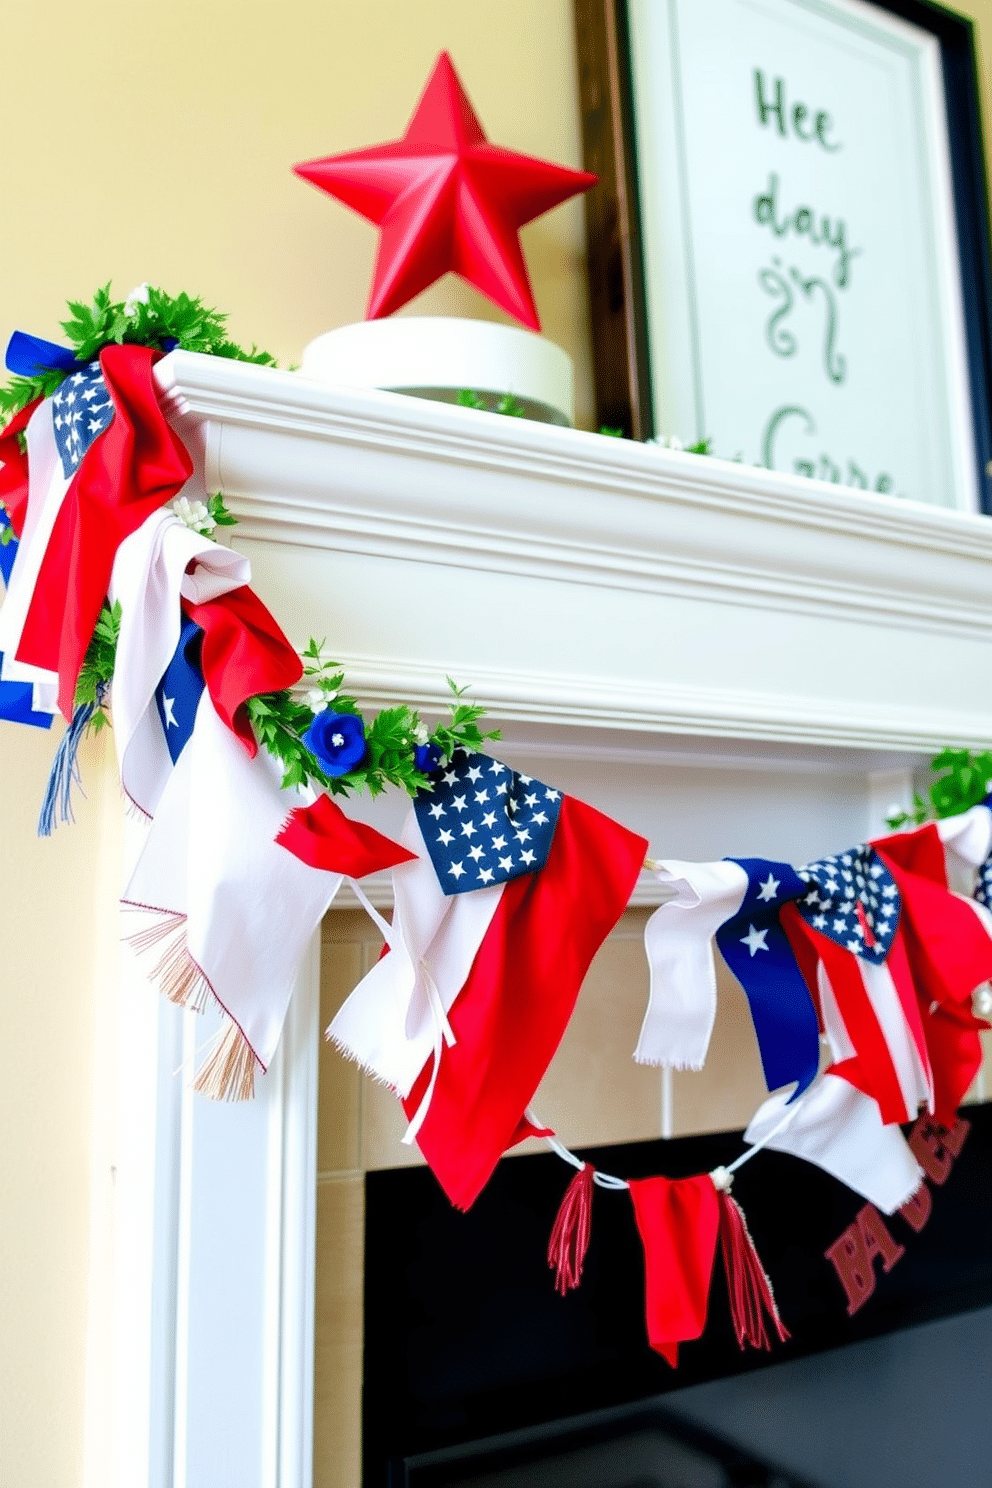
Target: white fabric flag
x,y
840,1129
837,1126
967,838
157,566
392,1021
234,911
678,940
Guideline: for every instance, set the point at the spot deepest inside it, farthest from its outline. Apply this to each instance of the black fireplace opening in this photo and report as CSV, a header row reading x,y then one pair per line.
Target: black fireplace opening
x,y
477,1374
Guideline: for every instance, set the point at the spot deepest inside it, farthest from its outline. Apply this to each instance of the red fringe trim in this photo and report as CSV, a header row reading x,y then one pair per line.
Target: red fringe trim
x,y
571,1231
749,1288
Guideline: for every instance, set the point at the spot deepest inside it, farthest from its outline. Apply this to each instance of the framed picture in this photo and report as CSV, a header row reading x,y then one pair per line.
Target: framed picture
x,y
789,251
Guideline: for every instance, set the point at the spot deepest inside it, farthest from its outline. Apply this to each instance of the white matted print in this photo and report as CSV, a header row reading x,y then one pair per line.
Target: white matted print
x,y
801,264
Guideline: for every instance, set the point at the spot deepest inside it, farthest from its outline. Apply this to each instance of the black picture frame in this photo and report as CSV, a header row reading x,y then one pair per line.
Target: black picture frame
x,y
621,362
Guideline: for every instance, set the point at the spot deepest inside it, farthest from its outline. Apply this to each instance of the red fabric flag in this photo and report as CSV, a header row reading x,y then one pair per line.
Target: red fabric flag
x,y
323,837
515,1004
130,470
679,1221
14,471
908,1020
950,953
871,1068
244,653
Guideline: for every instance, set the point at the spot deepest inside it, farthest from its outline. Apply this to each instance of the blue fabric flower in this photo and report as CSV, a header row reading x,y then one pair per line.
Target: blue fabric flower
x,y
337,741
428,757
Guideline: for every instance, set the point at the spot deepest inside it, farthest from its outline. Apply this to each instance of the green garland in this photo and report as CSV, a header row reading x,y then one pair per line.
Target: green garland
x,y
148,317
963,779
280,719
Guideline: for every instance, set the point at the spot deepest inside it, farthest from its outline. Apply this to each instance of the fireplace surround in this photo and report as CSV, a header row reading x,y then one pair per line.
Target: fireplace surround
x,y
690,644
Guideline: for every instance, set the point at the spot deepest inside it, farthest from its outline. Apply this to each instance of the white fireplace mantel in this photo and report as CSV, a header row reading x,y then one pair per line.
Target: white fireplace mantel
x,y
611,604
582,580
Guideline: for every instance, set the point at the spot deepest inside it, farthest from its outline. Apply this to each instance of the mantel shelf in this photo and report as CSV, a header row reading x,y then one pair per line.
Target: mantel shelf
x,y
585,582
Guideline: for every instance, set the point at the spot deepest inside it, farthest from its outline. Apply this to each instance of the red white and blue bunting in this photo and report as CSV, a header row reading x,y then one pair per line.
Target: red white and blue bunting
x,y
864,972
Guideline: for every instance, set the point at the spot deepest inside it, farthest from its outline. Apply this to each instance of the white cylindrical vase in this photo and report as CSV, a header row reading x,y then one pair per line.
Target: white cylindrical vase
x,y
438,357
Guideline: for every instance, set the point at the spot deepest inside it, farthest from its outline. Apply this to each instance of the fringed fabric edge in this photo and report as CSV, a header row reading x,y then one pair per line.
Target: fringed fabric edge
x,y
175,974
658,1062
748,1287
228,1073
347,1052
571,1231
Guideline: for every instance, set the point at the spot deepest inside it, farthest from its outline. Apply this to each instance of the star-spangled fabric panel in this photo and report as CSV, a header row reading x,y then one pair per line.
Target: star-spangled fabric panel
x,y
854,901
81,409
983,884
484,823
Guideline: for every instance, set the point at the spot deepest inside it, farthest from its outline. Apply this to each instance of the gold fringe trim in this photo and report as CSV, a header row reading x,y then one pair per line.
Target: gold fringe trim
x,y
175,973
229,1073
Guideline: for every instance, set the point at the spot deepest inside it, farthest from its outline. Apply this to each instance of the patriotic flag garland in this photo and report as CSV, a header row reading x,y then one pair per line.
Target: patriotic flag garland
x,y
463,1015
94,479
504,887
218,870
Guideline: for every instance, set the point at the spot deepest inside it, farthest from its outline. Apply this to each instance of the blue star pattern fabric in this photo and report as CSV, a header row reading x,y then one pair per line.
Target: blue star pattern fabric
x,y
484,823
757,951
177,696
853,900
81,410
983,884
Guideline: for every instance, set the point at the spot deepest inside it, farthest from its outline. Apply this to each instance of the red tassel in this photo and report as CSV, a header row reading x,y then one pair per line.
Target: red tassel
x,y
749,1288
570,1233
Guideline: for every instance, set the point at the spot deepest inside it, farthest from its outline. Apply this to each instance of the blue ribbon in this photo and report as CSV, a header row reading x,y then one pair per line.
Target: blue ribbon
x,y
30,356
16,698
756,949
177,696
17,705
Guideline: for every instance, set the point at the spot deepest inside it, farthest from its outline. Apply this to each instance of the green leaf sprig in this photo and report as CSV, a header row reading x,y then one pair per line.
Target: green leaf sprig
x,y
280,719
506,403
149,317
963,779
97,671
218,512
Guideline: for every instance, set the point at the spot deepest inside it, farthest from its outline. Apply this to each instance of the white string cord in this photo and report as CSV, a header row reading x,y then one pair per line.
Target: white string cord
x,y
722,1177
443,1034
385,928
602,1180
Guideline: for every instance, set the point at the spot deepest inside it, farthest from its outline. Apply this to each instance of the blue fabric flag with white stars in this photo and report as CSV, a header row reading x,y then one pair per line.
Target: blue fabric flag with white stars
x,y
757,951
81,409
177,696
484,823
852,899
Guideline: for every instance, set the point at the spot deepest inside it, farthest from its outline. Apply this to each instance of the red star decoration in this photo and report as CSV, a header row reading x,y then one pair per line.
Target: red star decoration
x,y
445,198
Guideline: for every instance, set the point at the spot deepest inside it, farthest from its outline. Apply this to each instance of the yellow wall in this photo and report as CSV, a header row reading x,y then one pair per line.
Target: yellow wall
x,y
154,142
